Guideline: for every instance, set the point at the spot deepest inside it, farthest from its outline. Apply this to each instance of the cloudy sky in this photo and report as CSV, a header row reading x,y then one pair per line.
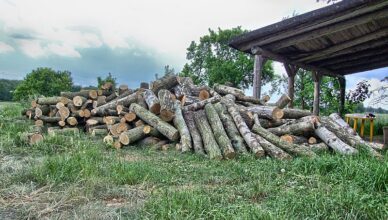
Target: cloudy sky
x,y
131,39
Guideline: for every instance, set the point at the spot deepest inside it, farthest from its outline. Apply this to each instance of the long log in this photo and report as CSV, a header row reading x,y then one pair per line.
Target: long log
x,y
152,101
195,135
219,132
42,110
267,112
125,101
52,100
210,144
133,135
47,119
163,127
180,124
293,139
231,129
166,100
92,94
289,148
283,101
296,128
249,138
272,150
168,81
201,104
333,141
265,123
293,113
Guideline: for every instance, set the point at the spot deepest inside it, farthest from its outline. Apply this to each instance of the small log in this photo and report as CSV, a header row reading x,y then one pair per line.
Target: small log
x,y
62,123
59,105
210,144
79,100
31,138
265,123
110,120
321,147
272,150
123,88
39,123
333,141
120,109
267,112
249,138
148,141
117,144
178,92
195,135
42,110
200,105
47,119
92,94
125,101
166,105
312,140
152,101
163,127
139,123
99,132
113,96
108,140
219,132
203,95
132,135
140,99
87,113
289,148
118,128
167,82
180,124
292,139
231,129
52,100
296,128
283,101
104,92
130,116
293,113
101,100
63,131
188,100
72,121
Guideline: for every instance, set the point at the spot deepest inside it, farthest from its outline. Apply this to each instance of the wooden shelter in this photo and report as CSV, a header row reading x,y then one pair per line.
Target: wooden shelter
x,y
344,38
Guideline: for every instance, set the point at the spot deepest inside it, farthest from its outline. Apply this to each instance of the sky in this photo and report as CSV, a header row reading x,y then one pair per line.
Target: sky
x,y
133,40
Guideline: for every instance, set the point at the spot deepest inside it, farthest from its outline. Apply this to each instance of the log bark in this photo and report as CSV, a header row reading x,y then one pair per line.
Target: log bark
x,y
113,96
225,90
292,139
295,128
219,132
295,113
63,131
152,101
210,143
186,84
289,148
50,119
195,135
200,105
231,129
42,110
163,127
333,141
166,105
52,100
249,138
72,121
321,147
99,132
265,123
132,135
272,150
166,82
110,120
283,101
267,112
123,88
92,94
101,100
180,124
125,101
95,121
188,100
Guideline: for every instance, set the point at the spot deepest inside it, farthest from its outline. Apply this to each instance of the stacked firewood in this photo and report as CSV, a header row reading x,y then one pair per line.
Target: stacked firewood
x,y
218,122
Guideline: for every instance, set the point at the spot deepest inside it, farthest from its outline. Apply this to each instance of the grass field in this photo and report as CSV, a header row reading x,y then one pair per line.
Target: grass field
x,y
68,177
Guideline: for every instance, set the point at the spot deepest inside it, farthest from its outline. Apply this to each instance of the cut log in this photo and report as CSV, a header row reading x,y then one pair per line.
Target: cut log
x,y
163,127
120,109
130,116
247,116
152,101
99,132
39,122
140,99
231,129
283,101
92,94
203,94
79,100
104,92
186,84
225,90
62,123
180,124
272,150
219,132
50,119
167,82
118,128
108,140
312,140
166,105
295,128
200,105
178,92
132,135
265,123
333,141
110,120
195,135
265,98
210,144
87,113
101,100
59,105
117,144
125,101
249,138
72,121
63,131
139,123
123,88
188,100
321,147
42,110
52,100
267,112
95,121
113,96
293,113
337,118
30,138
292,139
289,148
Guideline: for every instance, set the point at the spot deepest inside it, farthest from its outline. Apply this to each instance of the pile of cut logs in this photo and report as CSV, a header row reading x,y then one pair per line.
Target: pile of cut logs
x,y
172,112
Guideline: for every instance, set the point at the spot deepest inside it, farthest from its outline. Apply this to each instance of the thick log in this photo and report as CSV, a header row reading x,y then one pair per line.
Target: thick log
x,y
166,105
321,147
225,90
289,148
99,132
188,100
87,113
58,105
249,138
231,129
108,140
283,101
195,135
95,121
121,109
265,123
272,150
186,84
292,139
178,92
72,121
200,105
163,127
298,127
123,88
152,101
50,119
210,144
92,94
30,138
295,113
130,116
133,135
42,110
114,96
333,141
51,100
219,132
180,124
125,101
79,100
118,128
267,112
110,120
167,82
101,100
140,98
203,95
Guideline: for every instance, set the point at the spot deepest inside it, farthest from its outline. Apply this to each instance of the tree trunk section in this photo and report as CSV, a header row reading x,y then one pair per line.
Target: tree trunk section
x,y
295,113
132,135
295,128
166,105
267,112
272,150
283,101
125,101
166,82
195,135
200,105
152,101
180,124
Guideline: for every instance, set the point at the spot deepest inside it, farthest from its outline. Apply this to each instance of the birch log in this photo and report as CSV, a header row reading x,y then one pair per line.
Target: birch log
x,y
180,124
195,135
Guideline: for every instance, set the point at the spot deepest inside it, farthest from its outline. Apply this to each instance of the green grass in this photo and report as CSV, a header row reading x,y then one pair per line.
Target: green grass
x,y
71,177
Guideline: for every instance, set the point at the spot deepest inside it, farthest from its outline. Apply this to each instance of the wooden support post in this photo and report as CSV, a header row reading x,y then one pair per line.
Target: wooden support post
x,y
342,83
362,127
355,124
317,84
257,71
371,130
291,72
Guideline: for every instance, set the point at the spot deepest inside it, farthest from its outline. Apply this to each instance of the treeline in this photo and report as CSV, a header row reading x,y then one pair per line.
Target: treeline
x,y
7,87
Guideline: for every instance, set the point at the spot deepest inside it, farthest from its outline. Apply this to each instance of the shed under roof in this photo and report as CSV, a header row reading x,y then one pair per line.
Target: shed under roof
x,y
343,38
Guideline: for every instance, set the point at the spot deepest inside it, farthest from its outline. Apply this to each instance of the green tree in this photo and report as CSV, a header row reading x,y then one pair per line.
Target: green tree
x,y
211,60
43,81
109,78
7,87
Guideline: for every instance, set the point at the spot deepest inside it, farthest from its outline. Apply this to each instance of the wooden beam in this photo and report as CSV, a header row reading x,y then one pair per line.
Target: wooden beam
x,y
316,55
362,68
359,62
342,82
317,87
291,72
282,59
324,31
257,72
306,28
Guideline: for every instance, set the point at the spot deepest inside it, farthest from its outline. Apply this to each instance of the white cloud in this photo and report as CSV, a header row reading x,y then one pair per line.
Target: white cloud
x,y
5,48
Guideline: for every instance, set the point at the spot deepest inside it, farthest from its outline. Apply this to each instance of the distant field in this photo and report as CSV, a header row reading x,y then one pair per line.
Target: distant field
x,y
77,177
